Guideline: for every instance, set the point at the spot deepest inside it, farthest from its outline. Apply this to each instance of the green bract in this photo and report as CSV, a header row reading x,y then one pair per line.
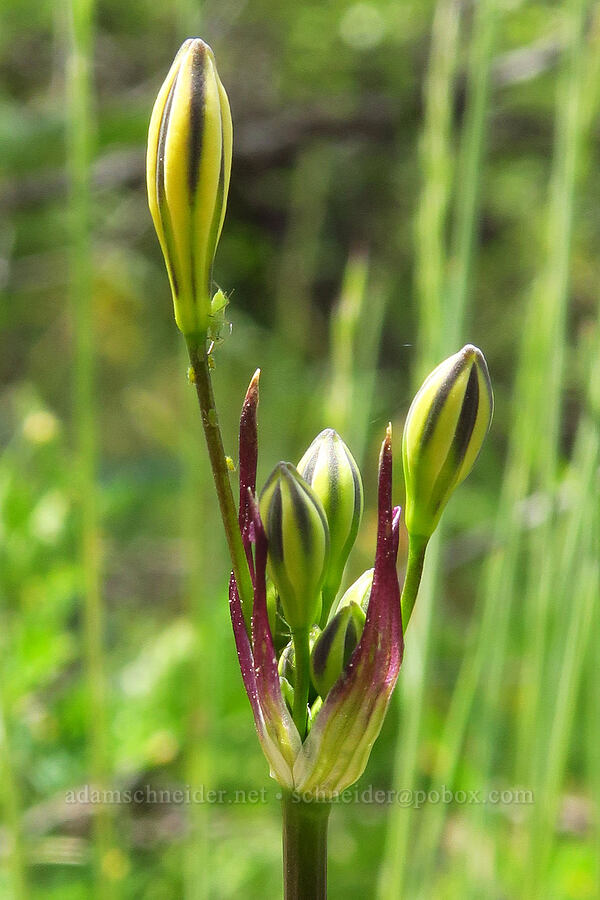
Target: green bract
x,y
330,469
298,541
445,428
188,166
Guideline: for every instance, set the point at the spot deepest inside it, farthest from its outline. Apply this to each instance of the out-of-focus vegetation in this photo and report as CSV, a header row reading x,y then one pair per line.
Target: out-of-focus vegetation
x,y
407,176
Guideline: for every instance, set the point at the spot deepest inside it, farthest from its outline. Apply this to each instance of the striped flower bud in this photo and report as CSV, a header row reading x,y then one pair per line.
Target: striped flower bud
x,y
188,166
444,431
334,647
359,592
298,544
330,469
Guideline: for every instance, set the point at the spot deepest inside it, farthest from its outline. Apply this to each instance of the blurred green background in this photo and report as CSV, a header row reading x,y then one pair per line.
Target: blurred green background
x,y
408,176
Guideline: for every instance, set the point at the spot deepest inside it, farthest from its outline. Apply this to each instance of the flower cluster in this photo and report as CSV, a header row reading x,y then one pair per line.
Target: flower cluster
x,y
353,661
319,670
320,673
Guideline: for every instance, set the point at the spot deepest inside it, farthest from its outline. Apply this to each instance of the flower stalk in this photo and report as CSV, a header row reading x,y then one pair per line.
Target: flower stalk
x,y
412,579
305,848
302,685
214,442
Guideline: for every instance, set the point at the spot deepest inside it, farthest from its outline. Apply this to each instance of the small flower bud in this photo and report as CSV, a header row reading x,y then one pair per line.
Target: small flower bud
x,y
298,544
445,428
188,166
334,647
330,469
359,592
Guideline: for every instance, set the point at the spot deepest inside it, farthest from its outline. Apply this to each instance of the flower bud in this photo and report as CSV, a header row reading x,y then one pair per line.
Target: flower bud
x,y
359,592
330,469
188,166
298,544
334,647
445,428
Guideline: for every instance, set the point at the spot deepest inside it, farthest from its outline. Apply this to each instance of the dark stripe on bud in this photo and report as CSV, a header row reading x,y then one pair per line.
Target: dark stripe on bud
x,y
298,539
443,434
197,100
334,647
188,167
330,469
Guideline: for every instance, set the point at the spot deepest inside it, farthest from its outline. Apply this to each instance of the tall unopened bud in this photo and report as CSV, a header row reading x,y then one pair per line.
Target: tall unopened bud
x,y
444,431
330,469
298,544
188,167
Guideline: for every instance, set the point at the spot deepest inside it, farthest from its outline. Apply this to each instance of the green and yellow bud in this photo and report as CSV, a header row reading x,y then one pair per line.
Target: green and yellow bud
x,y
359,592
188,167
334,647
330,469
298,538
443,434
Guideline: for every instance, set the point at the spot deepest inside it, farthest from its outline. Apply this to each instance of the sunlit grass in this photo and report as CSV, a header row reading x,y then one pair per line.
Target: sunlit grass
x,y
80,138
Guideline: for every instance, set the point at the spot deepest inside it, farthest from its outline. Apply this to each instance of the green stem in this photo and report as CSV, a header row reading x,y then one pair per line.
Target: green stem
x,y
301,687
11,803
304,848
417,546
80,140
218,462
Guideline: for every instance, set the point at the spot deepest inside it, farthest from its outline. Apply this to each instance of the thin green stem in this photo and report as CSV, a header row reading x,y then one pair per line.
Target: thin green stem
x,y
302,684
79,152
11,797
436,162
469,168
218,462
304,848
199,589
397,861
414,569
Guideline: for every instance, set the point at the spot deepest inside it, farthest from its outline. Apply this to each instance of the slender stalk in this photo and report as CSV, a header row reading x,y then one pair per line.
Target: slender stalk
x,y
339,402
397,860
199,588
469,167
299,256
577,635
435,155
302,657
568,142
79,152
304,848
218,462
412,579
355,337
434,338
11,797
